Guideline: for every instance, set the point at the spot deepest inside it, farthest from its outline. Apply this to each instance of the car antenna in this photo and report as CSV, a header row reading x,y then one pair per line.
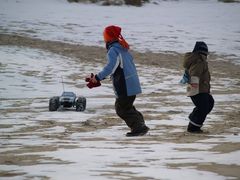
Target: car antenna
x,y
63,84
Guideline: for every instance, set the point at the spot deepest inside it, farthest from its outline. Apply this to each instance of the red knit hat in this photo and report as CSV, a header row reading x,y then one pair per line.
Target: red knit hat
x,y
113,33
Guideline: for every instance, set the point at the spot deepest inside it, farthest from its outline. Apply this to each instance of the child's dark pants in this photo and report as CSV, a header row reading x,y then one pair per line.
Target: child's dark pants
x,y
125,110
204,103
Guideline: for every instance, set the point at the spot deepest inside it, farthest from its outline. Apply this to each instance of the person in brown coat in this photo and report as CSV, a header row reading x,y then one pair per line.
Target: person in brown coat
x,y
196,67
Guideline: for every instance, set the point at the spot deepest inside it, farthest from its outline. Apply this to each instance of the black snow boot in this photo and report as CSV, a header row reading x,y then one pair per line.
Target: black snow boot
x,y
138,132
194,129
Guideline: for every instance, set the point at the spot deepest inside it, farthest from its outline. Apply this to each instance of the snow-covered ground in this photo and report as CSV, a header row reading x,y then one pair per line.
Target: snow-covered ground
x,y
168,26
38,144
55,145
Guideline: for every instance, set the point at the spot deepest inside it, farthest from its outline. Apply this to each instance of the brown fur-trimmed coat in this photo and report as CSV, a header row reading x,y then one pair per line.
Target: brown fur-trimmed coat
x,y
196,64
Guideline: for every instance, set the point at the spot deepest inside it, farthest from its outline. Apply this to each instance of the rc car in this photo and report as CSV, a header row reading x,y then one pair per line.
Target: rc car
x,y
67,100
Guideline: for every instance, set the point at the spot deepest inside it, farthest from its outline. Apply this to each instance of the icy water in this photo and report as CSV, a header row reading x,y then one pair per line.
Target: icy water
x,y
168,26
37,144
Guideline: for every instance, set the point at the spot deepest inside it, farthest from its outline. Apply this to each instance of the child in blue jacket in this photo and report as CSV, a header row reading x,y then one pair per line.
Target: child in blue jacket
x,y
121,68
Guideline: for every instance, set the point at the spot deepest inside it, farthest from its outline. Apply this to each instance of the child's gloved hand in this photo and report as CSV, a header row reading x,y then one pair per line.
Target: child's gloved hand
x,y
91,85
87,79
92,82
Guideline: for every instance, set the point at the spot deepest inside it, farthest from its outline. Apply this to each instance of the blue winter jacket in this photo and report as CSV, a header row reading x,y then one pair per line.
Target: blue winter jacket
x,y
122,70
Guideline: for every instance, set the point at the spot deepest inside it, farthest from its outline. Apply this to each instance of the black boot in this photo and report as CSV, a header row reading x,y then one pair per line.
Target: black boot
x,y
194,129
138,131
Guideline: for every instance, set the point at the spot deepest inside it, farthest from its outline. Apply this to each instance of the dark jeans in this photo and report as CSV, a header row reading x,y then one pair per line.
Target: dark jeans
x,y
204,103
125,110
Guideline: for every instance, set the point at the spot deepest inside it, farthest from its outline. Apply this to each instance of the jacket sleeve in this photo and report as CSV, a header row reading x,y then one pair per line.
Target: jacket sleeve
x,y
193,63
111,66
196,69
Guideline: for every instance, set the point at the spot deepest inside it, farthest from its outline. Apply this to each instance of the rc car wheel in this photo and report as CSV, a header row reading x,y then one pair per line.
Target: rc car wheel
x,y
54,103
81,104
